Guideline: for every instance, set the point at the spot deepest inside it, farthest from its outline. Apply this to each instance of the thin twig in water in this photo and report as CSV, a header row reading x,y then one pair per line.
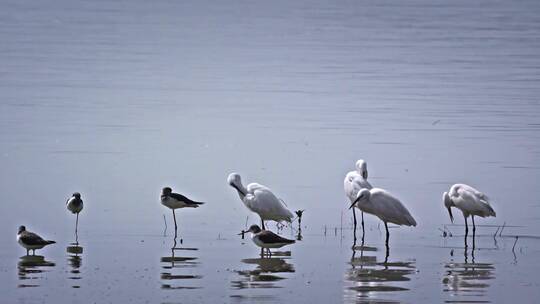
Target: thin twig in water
x,y
496,232
500,233
443,232
513,247
341,223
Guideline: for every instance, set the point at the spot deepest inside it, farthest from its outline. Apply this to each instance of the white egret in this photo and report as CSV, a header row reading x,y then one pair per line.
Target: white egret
x,y
385,206
353,182
75,205
261,200
31,241
266,239
175,201
470,201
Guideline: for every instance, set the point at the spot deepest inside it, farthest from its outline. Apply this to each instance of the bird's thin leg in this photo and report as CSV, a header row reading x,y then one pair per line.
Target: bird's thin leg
x,y
76,224
473,233
387,233
262,224
473,227
262,252
27,251
175,226
363,230
33,252
354,223
466,231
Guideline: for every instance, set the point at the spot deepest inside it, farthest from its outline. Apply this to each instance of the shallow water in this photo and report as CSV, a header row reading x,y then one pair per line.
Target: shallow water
x,y
117,100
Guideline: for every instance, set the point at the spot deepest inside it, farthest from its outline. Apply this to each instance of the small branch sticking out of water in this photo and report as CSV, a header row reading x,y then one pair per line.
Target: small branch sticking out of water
x,y
299,214
341,222
515,242
443,232
500,233
494,235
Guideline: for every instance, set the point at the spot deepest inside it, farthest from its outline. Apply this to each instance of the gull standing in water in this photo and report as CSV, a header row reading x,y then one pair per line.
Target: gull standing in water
x,y
266,239
75,205
381,203
470,201
175,201
31,241
261,200
355,181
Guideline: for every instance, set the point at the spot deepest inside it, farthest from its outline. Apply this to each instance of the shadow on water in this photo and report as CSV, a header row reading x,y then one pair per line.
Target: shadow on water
x,y
264,276
74,256
371,280
178,270
31,269
468,281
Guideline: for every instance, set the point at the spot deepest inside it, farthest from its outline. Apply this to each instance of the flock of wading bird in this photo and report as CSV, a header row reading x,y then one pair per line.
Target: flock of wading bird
x,y
262,201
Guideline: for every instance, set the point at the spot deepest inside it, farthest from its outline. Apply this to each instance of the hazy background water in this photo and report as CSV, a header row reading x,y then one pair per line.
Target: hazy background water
x,y
118,99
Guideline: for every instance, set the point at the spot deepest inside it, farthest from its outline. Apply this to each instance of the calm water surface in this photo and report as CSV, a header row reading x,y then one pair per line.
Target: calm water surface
x,y
117,100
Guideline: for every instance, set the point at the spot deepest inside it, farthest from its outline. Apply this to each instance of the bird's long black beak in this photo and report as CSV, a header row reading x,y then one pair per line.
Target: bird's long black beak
x,y
451,216
354,203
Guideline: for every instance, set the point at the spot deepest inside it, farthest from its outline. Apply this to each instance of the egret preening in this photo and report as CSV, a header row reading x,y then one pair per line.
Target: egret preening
x,y
31,241
175,201
75,205
470,201
354,182
261,200
267,239
381,203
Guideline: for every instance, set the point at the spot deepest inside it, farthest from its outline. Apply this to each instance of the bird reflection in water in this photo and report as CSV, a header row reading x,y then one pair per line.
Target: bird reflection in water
x,y
178,271
31,269
267,273
75,252
370,280
467,280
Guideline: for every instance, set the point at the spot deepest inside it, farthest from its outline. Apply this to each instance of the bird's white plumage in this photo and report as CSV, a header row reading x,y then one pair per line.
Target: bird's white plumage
x,y
353,183
261,200
258,242
75,205
469,200
356,180
385,206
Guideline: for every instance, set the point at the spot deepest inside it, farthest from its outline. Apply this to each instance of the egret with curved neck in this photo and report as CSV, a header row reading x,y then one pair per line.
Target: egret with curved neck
x,y
261,200
470,201
355,181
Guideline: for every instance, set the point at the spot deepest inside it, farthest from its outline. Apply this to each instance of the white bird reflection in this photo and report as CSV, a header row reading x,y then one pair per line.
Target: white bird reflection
x,y
75,252
373,282
467,281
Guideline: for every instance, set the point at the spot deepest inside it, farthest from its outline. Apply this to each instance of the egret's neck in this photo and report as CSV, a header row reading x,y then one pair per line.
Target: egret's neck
x,y
364,204
242,191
